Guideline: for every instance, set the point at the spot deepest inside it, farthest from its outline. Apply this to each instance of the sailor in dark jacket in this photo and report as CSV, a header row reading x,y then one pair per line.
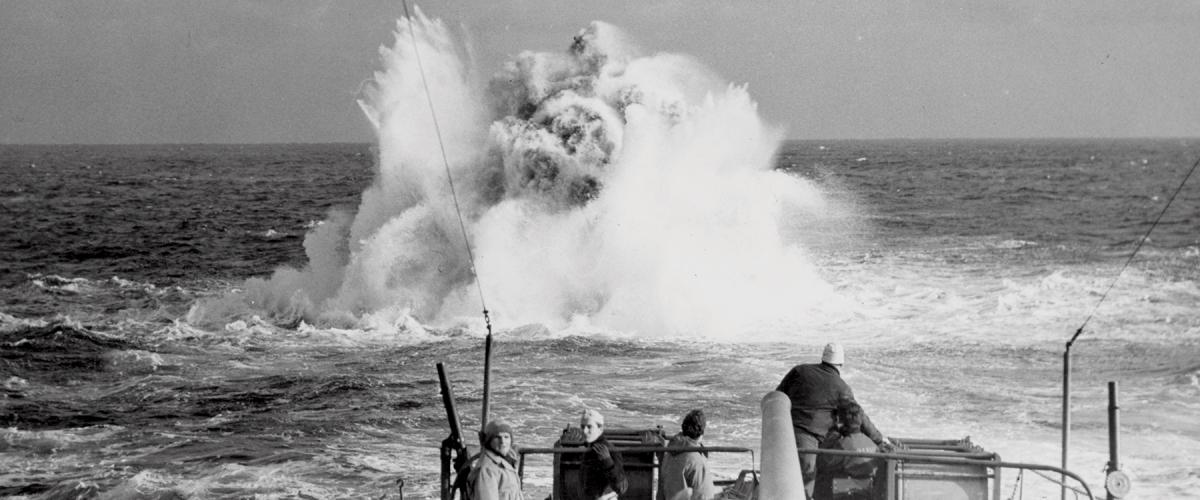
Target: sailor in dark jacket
x,y
602,474
816,390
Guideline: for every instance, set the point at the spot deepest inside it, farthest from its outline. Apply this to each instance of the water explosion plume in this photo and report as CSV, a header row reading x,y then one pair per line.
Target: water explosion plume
x,y
600,188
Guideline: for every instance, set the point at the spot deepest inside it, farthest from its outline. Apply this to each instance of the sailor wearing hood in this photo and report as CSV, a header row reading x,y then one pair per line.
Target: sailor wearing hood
x,y
684,474
493,476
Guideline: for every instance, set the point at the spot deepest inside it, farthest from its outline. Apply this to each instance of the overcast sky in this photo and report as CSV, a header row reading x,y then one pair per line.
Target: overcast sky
x,y
152,71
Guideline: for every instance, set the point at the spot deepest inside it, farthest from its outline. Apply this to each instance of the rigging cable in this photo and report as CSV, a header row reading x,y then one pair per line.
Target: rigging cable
x,y
1134,253
446,164
1066,383
487,356
1020,477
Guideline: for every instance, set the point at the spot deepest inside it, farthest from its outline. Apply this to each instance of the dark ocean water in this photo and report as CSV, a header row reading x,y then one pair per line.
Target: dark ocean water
x,y
965,265
171,213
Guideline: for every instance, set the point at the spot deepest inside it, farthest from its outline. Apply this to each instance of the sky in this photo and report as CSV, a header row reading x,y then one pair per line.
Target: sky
x,y
217,71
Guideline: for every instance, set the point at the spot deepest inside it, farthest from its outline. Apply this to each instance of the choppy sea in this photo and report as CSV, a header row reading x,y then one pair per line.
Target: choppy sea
x,y
960,269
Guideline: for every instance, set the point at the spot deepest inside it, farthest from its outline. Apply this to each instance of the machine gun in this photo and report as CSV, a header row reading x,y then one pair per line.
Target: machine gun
x,y
454,452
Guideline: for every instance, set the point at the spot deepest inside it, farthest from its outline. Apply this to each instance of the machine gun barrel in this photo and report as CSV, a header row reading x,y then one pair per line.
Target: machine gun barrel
x,y
453,444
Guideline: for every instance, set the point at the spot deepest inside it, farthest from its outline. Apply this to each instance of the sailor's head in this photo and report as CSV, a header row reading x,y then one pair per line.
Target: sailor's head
x,y
833,354
849,414
592,423
693,424
497,436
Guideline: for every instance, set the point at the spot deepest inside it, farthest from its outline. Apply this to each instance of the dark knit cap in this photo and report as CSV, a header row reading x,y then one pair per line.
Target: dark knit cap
x,y
693,424
496,427
492,429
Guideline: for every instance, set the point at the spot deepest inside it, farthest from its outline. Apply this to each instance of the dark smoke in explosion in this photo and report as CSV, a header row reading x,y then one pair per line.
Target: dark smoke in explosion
x,y
600,189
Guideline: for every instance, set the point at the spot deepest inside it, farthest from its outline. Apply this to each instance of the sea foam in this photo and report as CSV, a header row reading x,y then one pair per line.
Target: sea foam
x,y
597,186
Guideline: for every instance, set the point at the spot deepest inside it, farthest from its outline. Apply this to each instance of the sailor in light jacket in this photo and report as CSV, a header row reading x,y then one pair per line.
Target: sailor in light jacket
x,y
684,474
492,476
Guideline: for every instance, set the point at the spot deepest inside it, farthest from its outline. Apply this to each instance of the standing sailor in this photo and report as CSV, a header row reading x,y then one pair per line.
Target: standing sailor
x,y
492,476
602,474
816,391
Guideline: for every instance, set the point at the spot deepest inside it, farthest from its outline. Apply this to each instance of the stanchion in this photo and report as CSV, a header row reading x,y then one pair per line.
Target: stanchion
x,y
781,478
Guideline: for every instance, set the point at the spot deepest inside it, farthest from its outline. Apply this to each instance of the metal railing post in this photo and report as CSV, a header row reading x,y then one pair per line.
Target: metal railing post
x,y
1066,414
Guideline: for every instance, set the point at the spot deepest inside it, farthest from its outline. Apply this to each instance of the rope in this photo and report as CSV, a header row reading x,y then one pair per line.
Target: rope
x,y
1020,477
446,164
1060,483
1135,251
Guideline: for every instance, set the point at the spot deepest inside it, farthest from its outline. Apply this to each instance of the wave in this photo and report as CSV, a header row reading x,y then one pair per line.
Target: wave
x,y
33,346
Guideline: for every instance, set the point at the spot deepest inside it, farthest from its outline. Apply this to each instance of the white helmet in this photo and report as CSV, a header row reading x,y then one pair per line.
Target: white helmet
x,y
833,354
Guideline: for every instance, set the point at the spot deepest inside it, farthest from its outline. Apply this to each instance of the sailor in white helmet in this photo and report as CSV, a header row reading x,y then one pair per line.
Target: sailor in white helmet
x,y
816,391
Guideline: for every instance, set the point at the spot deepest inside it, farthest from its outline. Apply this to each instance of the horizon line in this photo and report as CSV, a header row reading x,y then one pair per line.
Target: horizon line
x,y
793,139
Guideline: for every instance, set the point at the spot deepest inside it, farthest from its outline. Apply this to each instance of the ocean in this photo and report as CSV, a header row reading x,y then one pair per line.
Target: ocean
x,y
264,321
970,263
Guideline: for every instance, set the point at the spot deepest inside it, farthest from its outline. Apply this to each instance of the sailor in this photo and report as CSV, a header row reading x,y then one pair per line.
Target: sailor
x,y
602,475
816,390
684,474
493,476
859,472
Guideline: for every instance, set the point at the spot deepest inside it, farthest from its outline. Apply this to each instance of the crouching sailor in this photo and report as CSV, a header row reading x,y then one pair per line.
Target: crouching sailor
x,y
493,476
857,472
